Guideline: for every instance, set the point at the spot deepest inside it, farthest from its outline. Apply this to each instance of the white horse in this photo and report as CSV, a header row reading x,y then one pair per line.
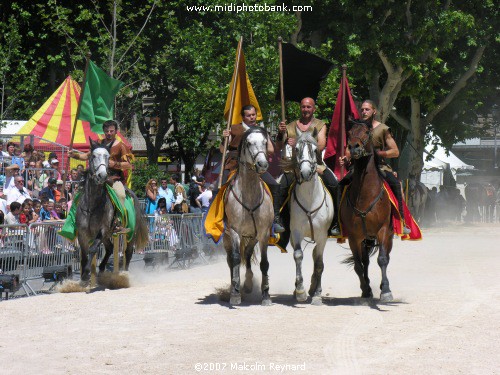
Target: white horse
x,y
311,213
248,215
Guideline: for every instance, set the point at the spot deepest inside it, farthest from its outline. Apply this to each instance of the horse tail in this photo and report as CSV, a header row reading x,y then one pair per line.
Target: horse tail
x,y
370,251
141,235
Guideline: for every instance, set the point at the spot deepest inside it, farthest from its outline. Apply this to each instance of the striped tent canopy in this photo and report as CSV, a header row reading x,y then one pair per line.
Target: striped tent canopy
x,y
55,119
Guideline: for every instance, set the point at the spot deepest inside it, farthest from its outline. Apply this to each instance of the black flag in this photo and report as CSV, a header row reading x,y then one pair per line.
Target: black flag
x,y
302,73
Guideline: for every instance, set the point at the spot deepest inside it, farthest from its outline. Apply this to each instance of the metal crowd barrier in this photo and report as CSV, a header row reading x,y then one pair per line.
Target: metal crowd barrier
x,y
37,253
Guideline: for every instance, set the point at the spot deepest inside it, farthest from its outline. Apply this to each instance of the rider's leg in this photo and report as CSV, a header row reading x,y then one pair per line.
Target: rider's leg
x,y
119,190
331,184
286,181
274,187
335,229
225,175
397,190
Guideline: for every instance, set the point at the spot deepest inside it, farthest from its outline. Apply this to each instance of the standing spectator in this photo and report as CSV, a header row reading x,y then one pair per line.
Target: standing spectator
x,y
28,152
205,197
168,194
2,152
54,163
49,191
37,206
19,193
151,196
180,206
59,210
13,216
24,215
80,168
44,212
43,179
193,193
18,159
30,176
75,175
10,150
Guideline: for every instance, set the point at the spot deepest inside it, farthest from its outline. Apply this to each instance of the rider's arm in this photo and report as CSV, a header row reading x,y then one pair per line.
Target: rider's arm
x,y
322,139
270,146
282,136
80,155
391,150
225,133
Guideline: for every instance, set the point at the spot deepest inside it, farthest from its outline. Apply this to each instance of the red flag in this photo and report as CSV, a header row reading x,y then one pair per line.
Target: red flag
x,y
334,142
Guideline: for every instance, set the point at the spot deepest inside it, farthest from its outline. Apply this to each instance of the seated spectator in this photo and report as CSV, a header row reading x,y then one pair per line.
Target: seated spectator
x,y
13,216
28,152
55,169
44,211
27,216
10,172
162,207
59,210
3,202
49,191
19,193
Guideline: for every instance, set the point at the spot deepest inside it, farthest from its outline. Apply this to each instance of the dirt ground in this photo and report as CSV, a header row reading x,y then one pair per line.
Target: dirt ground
x,y
445,318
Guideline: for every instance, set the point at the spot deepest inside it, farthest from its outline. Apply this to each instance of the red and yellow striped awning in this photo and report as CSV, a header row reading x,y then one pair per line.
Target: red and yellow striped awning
x,y
55,119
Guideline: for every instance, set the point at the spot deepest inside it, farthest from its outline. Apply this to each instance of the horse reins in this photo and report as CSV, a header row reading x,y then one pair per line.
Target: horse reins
x,y
251,211
310,213
363,214
297,178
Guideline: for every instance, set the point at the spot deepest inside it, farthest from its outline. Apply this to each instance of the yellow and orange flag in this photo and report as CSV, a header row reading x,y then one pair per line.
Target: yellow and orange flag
x,y
244,94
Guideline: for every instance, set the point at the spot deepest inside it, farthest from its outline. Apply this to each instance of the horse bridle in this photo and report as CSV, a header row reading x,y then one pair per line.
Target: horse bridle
x,y
248,165
312,162
94,170
364,142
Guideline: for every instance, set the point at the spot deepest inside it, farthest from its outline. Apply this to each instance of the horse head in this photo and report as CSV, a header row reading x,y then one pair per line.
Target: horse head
x,y
252,151
98,163
305,152
359,139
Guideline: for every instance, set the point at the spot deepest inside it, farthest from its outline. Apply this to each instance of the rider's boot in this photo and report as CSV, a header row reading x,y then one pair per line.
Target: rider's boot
x,y
334,230
277,201
331,184
399,196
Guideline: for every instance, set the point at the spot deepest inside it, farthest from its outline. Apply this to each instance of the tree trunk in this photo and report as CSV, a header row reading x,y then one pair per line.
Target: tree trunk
x,y
416,139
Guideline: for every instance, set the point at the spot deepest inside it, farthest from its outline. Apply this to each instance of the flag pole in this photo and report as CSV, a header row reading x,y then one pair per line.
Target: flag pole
x,y
282,87
89,54
231,109
342,118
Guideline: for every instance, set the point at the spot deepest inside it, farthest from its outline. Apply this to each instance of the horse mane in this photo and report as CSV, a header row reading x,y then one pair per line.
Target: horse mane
x,y
251,130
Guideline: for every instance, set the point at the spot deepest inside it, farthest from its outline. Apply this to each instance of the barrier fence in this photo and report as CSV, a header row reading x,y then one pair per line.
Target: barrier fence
x,y
32,255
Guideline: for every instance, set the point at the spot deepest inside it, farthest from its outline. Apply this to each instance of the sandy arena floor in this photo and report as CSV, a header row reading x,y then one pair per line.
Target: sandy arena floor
x,y
445,318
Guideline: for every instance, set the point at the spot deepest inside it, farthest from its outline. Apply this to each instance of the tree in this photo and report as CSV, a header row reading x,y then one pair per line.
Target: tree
x,y
415,58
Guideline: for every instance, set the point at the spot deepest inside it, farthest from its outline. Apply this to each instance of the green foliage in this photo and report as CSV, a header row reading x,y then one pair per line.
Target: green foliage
x,y
142,173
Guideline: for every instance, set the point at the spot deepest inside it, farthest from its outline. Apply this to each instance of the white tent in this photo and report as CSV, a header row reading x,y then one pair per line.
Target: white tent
x,y
11,126
434,171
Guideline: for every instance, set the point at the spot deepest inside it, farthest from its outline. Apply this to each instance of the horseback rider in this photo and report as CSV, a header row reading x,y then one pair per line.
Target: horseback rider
x,y
288,136
120,157
249,118
386,148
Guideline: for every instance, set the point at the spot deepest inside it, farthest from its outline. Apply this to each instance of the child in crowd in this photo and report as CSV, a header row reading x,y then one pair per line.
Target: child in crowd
x,y
59,210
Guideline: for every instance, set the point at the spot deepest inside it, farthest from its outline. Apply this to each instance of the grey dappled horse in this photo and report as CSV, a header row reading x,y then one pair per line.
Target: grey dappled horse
x,y
311,213
95,215
248,215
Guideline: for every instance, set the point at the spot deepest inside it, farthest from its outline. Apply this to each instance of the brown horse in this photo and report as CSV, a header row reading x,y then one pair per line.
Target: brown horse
x,y
365,212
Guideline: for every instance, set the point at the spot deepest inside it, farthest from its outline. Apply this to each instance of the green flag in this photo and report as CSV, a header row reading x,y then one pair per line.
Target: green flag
x,y
96,105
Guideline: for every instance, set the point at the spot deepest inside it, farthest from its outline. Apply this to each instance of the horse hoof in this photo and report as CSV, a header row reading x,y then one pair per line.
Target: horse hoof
x,y
386,297
247,289
300,296
267,302
235,300
317,301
